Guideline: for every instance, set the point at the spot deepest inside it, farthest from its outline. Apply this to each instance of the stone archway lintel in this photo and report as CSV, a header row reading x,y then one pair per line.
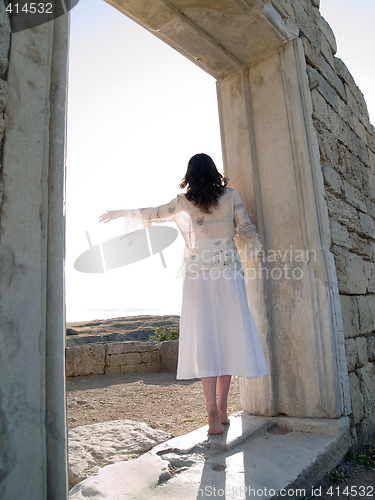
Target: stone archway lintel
x,y
214,40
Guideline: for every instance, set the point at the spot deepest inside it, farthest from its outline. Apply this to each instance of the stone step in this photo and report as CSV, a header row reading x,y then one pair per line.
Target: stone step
x,y
257,457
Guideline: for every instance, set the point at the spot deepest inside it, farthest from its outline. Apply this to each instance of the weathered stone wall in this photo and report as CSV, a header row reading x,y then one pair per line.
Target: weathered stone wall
x,y
121,357
4,54
347,155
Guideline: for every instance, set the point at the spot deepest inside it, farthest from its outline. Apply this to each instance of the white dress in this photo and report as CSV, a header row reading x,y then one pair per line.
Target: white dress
x,y
217,331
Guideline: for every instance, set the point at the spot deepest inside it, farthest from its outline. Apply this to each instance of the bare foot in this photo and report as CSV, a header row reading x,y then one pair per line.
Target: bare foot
x,y
214,424
223,416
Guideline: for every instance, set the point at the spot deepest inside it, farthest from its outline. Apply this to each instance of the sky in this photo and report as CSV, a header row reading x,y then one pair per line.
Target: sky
x,y
137,111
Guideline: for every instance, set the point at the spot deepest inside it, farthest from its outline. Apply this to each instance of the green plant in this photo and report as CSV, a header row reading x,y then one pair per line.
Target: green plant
x,y
163,333
338,475
367,457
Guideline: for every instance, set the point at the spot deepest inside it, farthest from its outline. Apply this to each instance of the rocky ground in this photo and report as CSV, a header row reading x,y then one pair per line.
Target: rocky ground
x,y
158,399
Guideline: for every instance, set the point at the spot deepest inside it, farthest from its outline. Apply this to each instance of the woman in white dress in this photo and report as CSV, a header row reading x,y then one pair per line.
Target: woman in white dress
x,y
218,337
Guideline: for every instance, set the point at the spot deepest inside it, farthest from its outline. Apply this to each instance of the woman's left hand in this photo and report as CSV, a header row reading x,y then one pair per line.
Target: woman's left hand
x,y
111,215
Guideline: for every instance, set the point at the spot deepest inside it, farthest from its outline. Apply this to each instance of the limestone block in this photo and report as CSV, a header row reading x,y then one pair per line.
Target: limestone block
x,y
356,399
147,347
340,235
366,225
145,357
354,170
116,360
370,273
148,356
332,78
131,347
360,246
133,368
341,129
355,99
352,102
85,360
345,113
359,129
140,478
3,94
132,358
342,212
370,206
168,356
354,197
371,139
372,161
153,366
313,57
324,89
349,310
115,348
327,51
361,348
306,23
327,32
371,347
358,94
94,446
350,272
359,147
112,370
332,179
343,72
367,386
356,352
365,120
329,148
320,109
313,26
370,191
366,308
351,354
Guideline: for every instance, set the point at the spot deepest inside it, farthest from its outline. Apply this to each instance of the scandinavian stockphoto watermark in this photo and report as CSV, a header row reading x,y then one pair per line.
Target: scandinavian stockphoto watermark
x,y
273,264
240,492
27,14
287,264
212,262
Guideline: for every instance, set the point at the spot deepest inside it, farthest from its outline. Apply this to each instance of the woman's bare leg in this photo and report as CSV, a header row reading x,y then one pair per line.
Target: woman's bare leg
x,y
222,387
209,388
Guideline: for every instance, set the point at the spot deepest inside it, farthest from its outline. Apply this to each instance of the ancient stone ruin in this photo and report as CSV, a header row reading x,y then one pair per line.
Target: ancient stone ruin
x,y
297,144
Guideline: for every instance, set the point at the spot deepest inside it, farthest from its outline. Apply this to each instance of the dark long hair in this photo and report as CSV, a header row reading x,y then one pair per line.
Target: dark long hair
x,y
204,183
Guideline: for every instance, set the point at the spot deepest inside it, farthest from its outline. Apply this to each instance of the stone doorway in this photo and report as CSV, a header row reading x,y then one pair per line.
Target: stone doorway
x,y
271,155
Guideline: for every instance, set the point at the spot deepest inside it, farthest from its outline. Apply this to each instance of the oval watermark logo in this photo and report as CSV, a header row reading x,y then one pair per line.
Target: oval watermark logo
x,y
125,249
28,14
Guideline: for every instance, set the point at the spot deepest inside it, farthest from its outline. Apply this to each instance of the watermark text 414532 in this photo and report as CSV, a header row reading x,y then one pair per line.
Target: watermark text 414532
x,y
27,14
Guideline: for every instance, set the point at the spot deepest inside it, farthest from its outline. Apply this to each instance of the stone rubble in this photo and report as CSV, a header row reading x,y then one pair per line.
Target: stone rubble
x,y
94,446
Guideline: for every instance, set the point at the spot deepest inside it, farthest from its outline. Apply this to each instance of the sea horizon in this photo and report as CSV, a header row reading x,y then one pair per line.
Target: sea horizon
x,y
111,313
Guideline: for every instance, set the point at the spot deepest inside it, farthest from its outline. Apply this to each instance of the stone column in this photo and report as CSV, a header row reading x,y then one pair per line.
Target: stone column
x,y
32,392
271,156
